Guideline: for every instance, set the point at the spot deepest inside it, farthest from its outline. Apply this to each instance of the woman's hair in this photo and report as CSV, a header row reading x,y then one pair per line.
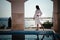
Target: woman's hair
x,y
37,7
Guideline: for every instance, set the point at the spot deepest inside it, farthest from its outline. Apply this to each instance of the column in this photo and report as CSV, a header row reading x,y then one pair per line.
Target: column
x,y
56,15
17,18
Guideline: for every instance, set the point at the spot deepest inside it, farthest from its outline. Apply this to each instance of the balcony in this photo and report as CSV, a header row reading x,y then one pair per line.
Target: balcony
x,y
30,23
30,32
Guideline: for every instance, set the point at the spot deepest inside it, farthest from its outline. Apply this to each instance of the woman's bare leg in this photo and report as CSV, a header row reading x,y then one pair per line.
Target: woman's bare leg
x,y
37,30
37,27
42,26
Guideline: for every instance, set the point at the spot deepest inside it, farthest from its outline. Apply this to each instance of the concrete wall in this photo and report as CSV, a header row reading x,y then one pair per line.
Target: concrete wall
x,y
17,14
17,18
56,15
55,11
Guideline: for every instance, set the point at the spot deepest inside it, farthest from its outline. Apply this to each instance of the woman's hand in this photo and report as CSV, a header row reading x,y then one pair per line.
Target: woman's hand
x,y
33,18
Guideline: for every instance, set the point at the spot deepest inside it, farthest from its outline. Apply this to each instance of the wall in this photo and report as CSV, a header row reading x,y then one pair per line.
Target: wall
x,y
17,14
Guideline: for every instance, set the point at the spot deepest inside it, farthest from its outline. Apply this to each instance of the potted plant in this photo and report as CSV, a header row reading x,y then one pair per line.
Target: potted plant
x,y
2,26
48,25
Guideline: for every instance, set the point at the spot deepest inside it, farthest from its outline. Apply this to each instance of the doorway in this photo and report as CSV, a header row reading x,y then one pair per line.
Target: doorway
x,y
47,12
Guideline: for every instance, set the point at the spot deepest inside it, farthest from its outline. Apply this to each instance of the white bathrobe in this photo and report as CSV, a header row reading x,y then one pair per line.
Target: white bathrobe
x,y
37,15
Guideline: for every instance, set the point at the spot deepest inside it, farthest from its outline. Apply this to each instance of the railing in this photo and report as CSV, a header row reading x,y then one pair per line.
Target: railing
x,y
41,19
50,34
37,33
29,22
27,32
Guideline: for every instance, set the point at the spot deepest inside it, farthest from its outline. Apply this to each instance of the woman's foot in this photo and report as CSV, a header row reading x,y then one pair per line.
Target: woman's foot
x,y
37,29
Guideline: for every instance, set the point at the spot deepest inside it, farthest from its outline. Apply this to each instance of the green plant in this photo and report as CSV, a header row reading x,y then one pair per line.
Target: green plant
x,y
2,26
47,24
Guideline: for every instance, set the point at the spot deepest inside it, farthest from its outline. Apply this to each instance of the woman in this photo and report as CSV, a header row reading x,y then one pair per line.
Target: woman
x,y
37,15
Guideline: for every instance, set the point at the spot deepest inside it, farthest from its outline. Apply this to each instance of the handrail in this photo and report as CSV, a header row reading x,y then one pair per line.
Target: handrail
x,y
40,18
27,32
31,33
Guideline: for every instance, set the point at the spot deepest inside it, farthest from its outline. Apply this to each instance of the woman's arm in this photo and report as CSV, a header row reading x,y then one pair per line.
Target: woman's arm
x,y
40,13
34,15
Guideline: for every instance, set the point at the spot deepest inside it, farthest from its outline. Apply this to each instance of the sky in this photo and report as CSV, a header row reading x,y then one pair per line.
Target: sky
x,y
46,7
5,8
